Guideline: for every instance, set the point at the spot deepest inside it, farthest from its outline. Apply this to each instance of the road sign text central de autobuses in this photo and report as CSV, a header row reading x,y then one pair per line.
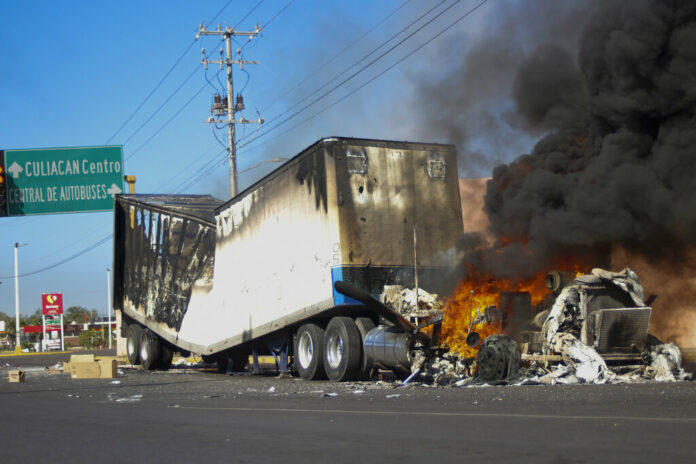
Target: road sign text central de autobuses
x,y
59,180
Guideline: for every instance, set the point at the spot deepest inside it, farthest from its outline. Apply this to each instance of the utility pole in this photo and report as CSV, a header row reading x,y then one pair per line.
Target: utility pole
x,y
226,105
18,346
108,301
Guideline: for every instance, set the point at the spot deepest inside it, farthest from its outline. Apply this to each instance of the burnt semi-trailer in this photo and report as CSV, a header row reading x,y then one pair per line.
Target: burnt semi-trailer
x,y
291,265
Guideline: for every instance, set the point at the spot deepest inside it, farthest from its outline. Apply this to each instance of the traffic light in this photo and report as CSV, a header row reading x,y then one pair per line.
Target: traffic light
x,y
3,203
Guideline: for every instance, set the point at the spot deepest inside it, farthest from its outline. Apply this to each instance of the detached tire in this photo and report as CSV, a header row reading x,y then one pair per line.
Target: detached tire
x,y
364,325
150,351
342,349
309,352
498,359
133,336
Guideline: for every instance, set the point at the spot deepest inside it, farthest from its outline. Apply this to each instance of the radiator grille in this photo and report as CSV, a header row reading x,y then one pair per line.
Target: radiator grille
x,y
620,329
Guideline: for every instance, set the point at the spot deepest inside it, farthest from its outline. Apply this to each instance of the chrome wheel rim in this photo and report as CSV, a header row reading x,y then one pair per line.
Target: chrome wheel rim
x,y
305,348
131,345
334,350
143,352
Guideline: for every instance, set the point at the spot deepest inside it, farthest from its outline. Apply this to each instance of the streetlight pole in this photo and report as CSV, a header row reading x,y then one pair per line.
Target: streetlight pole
x,y
108,301
18,347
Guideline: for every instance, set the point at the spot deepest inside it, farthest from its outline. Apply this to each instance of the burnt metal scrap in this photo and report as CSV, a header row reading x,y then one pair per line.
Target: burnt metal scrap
x,y
595,332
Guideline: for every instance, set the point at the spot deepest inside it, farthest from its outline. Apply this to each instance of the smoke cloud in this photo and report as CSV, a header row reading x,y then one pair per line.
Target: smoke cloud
x,y
610,89
618,163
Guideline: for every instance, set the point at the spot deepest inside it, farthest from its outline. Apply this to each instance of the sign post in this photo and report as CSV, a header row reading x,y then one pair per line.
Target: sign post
x,y
62,180
52,311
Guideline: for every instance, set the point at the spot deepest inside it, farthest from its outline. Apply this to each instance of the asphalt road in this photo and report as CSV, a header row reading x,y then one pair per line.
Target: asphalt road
x,y
193,415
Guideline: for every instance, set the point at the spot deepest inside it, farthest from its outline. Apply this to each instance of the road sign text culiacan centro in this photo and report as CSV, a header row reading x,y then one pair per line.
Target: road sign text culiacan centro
x,y
63,180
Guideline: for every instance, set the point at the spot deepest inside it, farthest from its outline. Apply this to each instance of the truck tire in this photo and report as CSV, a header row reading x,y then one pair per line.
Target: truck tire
x,y
150,351
240,359
364,325
309,352
133,336
498,359
342,347
167,354
221,361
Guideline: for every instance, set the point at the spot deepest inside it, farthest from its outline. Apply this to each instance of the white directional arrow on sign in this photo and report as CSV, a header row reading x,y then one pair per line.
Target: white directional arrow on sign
x,y
113,190
15,169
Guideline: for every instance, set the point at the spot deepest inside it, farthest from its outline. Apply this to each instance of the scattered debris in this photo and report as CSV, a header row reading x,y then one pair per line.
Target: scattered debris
x,y
330,395
127,399
666,362
85,366
179,362
396,395
403,301
16,375
595,332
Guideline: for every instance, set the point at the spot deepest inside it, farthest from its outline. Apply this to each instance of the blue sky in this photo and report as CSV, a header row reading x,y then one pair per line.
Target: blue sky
x,y
72,72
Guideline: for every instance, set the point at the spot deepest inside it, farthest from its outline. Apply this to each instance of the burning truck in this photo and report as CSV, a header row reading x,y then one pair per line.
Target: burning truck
x,y
566,327
314,262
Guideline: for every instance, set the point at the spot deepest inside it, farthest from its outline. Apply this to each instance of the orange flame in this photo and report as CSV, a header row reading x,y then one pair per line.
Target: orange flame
x,y
473,295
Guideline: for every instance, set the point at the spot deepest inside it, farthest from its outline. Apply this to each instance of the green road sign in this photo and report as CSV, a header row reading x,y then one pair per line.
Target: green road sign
x,y
62,180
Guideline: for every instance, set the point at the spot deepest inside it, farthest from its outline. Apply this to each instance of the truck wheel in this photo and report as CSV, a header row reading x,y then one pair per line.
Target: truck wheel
x,y
133,336
364,325
150,351
167,354
221,361
309,352
240,359
342,347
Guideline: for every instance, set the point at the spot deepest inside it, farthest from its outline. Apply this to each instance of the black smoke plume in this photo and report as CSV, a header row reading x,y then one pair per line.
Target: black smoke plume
x,y
616,162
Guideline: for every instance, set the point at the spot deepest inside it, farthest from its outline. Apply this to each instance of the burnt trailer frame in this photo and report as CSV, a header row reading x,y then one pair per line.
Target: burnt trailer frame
x,y
342,210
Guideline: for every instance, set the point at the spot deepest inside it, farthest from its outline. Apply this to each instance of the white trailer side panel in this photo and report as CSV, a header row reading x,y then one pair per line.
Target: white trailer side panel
x,y
273,258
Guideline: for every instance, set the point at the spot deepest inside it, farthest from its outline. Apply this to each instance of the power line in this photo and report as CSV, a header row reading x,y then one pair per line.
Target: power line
x,y
110,236
215,163
402,30
63,261
469,12
354,74
166,123
333,58
249,13
164,103
162,80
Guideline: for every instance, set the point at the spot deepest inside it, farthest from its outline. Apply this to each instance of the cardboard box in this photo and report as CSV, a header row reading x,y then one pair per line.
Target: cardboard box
x,y
16,375
84,366
107,368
